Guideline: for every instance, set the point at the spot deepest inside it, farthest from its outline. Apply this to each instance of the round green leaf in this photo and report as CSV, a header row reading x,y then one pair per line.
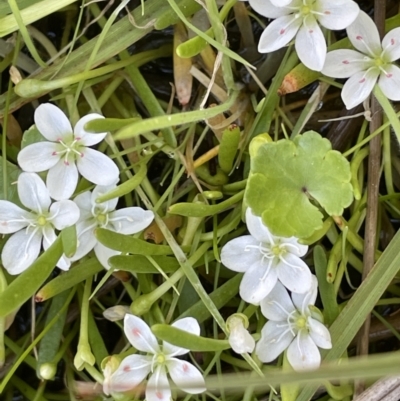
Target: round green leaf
x,y
291,181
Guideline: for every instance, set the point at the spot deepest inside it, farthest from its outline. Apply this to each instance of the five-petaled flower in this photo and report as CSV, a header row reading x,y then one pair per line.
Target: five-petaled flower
x,y
65,148
31,227
301,18
129,220
373,62
265,259
293,326
159,361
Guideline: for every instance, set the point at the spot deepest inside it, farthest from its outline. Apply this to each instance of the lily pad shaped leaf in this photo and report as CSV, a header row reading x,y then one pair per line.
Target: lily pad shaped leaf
x,y
290,181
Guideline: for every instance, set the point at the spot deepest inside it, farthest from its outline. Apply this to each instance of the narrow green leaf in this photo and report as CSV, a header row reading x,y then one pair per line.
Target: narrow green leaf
x,y
124,243
51,341
187,340
220,297
66,280
69,240
28,282
326,290
126,187
141,264
201,210
228,147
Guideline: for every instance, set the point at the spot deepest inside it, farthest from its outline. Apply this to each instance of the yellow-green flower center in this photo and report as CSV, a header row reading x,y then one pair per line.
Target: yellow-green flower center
x,y
305,10
101,218
277,250
301,323
41,221
160,359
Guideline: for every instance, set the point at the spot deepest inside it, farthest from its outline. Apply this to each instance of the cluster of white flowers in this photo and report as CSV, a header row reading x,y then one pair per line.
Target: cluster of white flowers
x,y
271,265
64,155
301,20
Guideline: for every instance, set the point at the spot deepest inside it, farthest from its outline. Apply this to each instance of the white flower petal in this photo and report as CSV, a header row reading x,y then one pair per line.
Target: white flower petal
x,y
97,167
336,14
279,33
240,253
12,217
130,220
86,238
275,338
62,180
130,373
158,388
241,340
188,324
21,250
268,8
358,87
302,353
277,305
99,190
391,44
139,334
84,203
255,285
294,274
310,44
64,213
390,82
258,229
33,193
103,254
51,122
86,138
49,236
364,36
344,63
38,157
64,263
280,3
319,333
302,300
186,376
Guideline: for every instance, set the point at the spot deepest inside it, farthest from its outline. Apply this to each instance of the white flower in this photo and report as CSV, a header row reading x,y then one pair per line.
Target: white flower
x,y
23,247
239,338
302,18
291,326
265,259
129,220
373,62
66,147
159,361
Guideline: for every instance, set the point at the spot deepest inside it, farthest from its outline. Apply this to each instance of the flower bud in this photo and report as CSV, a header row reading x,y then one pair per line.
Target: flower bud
x,y
116,313
84,355
47,371
239,338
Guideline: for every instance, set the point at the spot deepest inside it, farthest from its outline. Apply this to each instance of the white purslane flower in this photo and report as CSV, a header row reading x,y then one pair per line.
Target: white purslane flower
x,y
240,339
35,226
372,63
264,259
302,19
129,220
66,153
291,325
159,361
